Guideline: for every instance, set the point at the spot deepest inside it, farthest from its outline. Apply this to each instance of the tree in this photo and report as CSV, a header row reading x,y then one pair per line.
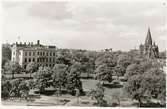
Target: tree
x,y
73,79
59,76
105,58
42,78
144,87
14,92
13,67
5,89
98,94
86,60
23,90
154,82
31,68
6,53
119,70
105,64
64,57
124,60
133,88
15,88
104,73
133,69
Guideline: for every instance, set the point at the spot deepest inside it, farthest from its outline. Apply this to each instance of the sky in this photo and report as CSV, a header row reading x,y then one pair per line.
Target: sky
x,y
85,25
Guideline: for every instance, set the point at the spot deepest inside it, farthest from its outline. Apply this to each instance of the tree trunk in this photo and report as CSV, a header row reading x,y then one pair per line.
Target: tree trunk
x,y
12,75
57,99
119,102
78,100
140,102
30,74
117,77
42,89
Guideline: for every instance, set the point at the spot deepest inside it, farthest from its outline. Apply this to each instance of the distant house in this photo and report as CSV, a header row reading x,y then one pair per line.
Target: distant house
x,y
38,53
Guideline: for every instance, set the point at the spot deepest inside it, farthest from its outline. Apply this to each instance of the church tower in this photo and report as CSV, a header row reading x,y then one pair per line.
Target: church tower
x,y
149,49
148,40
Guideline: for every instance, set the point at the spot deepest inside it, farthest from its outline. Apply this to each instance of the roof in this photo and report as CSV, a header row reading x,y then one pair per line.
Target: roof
x,y
148,40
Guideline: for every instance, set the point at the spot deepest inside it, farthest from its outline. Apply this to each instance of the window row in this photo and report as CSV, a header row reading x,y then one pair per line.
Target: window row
x,y
40,53
29,53
29,60
39,60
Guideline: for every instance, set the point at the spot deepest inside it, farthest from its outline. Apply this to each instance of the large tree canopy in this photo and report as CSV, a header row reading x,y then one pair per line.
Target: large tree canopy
x,y
6,53
59,76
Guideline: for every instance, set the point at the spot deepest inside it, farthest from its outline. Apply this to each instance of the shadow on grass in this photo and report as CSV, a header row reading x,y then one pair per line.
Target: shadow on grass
x,y
157,105
113,85
87,78
47,92
51,92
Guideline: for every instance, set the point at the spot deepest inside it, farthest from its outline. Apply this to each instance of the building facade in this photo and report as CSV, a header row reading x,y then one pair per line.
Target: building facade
x,y
149,48
40,54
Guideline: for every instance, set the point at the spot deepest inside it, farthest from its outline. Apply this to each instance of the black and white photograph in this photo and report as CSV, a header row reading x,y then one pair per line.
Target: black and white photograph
x,y
83,53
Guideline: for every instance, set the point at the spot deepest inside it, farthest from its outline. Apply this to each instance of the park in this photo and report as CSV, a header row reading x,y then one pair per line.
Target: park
x,y
87,79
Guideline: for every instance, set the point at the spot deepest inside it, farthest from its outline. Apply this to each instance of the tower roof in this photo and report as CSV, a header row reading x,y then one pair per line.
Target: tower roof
x,y
148,40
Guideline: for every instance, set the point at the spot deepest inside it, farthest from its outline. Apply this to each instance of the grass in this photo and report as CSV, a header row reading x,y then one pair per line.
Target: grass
x,y
111,91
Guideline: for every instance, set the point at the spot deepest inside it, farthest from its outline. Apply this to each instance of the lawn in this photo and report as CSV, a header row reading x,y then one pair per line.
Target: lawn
x,y
111,91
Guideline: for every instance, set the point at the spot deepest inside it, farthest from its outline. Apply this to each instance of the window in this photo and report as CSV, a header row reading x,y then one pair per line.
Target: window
x,y
53,54
29,59
53,59
25,60
37,59
47,53
29,53
46,59
50,53
33,53
38,53
13,53
41,53
25,53
25,66
50,59
33,59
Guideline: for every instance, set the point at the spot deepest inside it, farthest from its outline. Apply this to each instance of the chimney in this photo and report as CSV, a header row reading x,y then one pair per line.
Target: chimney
x,y
38,42
24,43
29,43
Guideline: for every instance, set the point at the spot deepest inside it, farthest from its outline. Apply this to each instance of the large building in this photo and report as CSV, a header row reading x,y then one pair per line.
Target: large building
x,y
149,49
40,54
